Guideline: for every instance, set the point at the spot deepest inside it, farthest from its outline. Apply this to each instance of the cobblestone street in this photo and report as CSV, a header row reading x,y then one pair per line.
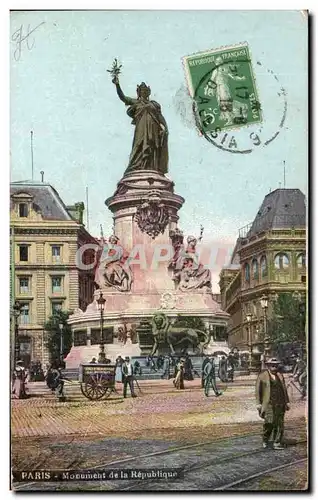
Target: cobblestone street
x,y
159,406
82,434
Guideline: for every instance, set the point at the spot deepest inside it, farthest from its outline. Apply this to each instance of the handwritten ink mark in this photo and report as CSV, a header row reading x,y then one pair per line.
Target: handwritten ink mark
x,y
18,37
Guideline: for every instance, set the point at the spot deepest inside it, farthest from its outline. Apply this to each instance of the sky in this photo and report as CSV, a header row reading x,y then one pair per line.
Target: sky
x,y
61,90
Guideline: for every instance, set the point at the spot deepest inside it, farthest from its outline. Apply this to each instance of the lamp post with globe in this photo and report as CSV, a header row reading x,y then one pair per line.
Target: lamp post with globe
x,y
101,306
250,345
267,346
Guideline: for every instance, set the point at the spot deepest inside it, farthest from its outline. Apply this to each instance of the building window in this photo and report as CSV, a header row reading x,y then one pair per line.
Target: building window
x,y
56,284
24,285
247,272
56,307
263,266
56,253
303,279
255,269
23,210
24,318
281,261
23,253
301,260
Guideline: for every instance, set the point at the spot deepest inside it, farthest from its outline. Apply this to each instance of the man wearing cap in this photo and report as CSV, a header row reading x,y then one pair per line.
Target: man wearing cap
x,y
127,370
272,402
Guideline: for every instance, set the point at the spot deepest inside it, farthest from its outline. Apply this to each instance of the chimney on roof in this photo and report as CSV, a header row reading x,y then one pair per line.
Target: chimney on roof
x,y
42,176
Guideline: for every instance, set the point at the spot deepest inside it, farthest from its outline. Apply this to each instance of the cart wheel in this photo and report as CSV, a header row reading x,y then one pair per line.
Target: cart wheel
x,y
108,392
94,388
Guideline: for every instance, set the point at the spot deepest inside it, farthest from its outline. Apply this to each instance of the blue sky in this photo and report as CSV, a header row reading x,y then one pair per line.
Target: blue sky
x,y
61,90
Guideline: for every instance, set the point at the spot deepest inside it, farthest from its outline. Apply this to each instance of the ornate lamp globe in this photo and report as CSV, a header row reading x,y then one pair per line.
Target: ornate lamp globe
x,y
101,302
264,302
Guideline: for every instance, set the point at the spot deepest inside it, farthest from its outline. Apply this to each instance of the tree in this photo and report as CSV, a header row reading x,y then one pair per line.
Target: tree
x,y
287,322
53,340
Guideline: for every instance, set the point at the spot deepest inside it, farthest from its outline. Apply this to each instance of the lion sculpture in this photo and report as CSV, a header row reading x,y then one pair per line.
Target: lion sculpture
x,y
164,331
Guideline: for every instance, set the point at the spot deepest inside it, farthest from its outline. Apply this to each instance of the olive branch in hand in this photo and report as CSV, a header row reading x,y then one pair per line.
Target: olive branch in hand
x,y
115,69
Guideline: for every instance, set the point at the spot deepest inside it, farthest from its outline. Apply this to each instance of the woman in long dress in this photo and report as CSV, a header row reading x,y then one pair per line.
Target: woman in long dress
x,y
179,380
150,143
118,370
20,375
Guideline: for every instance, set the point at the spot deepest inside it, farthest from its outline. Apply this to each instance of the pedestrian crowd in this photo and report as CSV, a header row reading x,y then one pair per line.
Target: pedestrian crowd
x,y
271,390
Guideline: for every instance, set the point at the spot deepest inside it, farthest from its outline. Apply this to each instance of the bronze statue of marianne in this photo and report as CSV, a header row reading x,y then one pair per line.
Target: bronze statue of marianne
x,y
150,143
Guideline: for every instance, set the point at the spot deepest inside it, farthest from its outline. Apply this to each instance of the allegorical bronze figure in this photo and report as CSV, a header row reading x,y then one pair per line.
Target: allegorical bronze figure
x,y
150,143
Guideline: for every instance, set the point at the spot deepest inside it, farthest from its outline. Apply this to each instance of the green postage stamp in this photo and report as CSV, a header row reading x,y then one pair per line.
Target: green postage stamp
x,y
223,87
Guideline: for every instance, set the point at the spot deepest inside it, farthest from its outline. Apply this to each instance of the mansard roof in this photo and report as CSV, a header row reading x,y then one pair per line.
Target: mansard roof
x,y
282,208
46,199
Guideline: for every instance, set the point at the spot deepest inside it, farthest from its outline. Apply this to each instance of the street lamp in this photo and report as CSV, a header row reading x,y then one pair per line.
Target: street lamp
x,y
264,306
101,306
16,313
61,340
249,319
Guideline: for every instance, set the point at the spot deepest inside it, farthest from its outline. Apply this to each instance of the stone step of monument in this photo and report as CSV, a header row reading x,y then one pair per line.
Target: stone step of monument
x,y
84,354
147,372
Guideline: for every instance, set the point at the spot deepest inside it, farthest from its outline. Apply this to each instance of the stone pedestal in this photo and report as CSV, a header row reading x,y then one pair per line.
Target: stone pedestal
x,y
145,210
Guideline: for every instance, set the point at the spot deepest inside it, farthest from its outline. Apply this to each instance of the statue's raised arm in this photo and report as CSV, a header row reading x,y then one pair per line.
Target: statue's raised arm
x,y
150,143
126,100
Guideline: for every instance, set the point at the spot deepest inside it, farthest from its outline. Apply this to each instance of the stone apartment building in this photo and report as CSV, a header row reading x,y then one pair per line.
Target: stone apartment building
x,y
44,238
269,258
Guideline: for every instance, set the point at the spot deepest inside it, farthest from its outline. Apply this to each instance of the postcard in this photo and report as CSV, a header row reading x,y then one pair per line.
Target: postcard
x,y
158,258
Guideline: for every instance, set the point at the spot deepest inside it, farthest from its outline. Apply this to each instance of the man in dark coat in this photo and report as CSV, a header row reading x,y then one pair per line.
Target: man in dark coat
x,y
205,361
223,369
54,380
230,367
188,367
209,377
128,377
272,402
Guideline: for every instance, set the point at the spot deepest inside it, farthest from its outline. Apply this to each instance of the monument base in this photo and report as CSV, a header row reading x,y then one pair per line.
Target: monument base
x,y
141,281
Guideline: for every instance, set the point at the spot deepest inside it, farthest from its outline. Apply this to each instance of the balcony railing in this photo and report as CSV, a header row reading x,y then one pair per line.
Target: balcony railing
x,y
279,221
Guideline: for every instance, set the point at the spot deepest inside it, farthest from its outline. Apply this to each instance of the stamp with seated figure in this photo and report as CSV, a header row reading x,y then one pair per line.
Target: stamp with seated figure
x,y
222,85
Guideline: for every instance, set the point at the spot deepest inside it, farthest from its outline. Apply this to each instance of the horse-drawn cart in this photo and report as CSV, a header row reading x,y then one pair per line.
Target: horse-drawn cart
x,y
97,380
